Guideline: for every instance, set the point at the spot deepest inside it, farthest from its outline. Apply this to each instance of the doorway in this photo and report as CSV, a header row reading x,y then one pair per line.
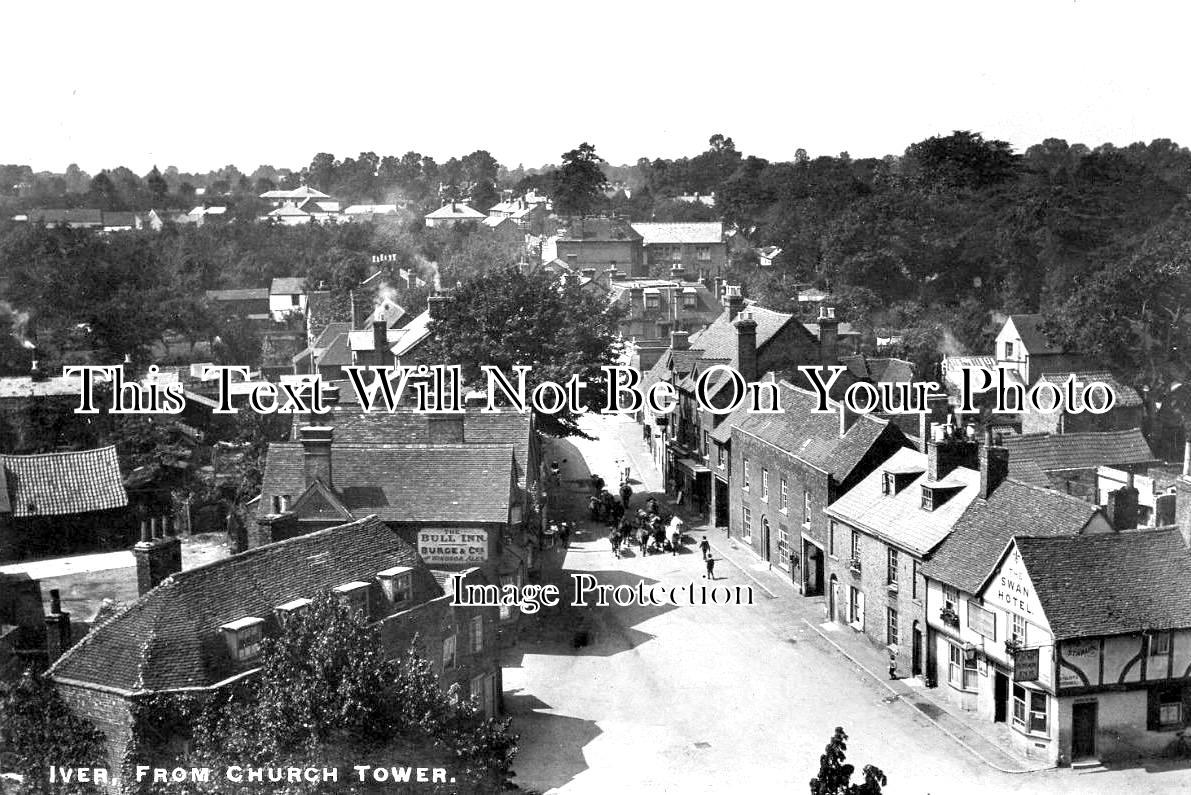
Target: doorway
x,y
765,538
1083,730
833,599
721,503
1000,697
916,651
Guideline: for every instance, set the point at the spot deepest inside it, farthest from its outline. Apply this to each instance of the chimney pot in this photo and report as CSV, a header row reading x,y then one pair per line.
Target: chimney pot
x,y
146,532
746,348
55,601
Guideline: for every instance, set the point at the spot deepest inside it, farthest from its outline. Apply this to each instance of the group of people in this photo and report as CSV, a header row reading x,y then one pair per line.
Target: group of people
x,y
606,508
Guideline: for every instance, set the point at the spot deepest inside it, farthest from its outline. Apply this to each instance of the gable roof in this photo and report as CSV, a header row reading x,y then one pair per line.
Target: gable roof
x,y
1110,583
300,192
718,340
900,518
1087,450
879,369
700,233
288,285
602,228
1126,396
456,210
412,335
808,435
59,484
405,483
170,638
1029,328
1015,508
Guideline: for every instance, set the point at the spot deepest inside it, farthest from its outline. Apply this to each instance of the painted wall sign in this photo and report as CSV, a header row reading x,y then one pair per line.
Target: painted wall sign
x,y
453,546
1025,666
1011,589
1079,657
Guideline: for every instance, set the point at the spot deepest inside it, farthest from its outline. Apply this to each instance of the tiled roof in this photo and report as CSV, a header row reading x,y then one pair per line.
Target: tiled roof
x,y
1028,472
605,229
77,216
302,192
250,294
1126,396
57,484
25,386
1088,450
457,210
1029,328
900,518
170,637
718,340
810,436
702,233
879,370
1111,583
405,483
288,285
967,556
413,333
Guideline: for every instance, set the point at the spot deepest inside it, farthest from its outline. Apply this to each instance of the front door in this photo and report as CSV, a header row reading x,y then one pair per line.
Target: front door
x,y
916,652
765,537
721,503
1083,730
833,599
1000,697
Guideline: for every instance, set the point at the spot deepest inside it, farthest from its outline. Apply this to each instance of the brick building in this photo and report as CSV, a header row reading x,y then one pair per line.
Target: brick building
x,y
661,313
200,630
601,243
698,247
785,468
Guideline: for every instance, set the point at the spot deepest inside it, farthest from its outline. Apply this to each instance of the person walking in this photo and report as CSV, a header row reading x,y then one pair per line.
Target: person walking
x,y
651,505
705,548
892,665
626,494
710,567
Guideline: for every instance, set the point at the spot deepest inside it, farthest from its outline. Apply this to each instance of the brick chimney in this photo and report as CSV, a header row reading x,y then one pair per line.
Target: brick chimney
x,y
636,302
608,276
380,339
746,347
733,300
953,450
434,305
994,464
828,336
316,453
1121,506
273,527
158,555
57,629
589,273
680,340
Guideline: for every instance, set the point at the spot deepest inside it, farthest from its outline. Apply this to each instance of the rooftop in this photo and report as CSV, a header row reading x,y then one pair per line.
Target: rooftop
x,y
1087,450
702,233
59,484
1029,328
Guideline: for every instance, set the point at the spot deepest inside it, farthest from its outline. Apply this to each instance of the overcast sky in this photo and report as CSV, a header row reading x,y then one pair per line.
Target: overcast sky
x,y
202,85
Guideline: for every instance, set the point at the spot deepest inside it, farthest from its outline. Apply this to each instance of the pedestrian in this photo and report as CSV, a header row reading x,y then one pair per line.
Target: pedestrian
x,y
710,567
615,539
644,542
705,548
675,542
651,505
598,482
892,665
593,505
626,493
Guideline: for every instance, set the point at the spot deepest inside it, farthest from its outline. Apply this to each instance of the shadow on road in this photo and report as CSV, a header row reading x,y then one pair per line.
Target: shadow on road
x,y
559,739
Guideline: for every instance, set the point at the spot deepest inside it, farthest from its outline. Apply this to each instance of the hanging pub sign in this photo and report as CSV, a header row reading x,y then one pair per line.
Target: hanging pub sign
x,y
1025,666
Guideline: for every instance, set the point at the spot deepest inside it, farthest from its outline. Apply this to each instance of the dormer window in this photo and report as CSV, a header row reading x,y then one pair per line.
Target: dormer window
x,y
892,482
928,498
690,299
244,637
653,299
887,484
397,583
935,494
354,596
288,611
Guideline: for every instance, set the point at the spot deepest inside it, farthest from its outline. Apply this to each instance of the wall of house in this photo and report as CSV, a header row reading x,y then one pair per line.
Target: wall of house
x,y
625,255
1118,419
110,713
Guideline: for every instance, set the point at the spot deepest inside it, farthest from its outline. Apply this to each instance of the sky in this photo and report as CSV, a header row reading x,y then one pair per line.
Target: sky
x,y
200,86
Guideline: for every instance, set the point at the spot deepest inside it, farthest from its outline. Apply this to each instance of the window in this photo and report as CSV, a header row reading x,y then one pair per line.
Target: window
x,y
690,300
887,483
653,302
806,507
855,550
1008,350
293,299
831,540
506,610
764,484
720,456
1159,643
1017,632
913,579
477,634
928,498
397,583
747,525
706,444
784,497
961,670
448,652
1170,708
744,473
783,536
703,253
891,626
856,607
289,610
951,598
1029,710
244,638
354,596
891,567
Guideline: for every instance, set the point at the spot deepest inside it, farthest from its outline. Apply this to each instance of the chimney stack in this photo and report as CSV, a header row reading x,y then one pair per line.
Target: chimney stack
x,y
57,629
636,301
434,305
994,464
1121,507
733,300
380,338
157,556
952,451
680,340
609,275
316,453
746,347
828,336
677,272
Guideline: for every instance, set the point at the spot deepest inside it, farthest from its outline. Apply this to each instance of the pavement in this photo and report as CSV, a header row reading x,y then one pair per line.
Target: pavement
x,y
735,698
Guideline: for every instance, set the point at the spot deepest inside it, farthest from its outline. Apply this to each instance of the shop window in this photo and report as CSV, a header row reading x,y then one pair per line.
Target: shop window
x,y
1029,710
961,668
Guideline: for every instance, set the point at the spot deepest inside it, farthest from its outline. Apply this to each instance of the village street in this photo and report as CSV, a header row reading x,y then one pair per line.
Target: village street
x,y
718,698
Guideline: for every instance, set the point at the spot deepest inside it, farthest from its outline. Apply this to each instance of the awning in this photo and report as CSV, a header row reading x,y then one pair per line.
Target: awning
x,y
693,466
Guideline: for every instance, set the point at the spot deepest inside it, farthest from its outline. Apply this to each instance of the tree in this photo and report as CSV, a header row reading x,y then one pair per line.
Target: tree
x,y
963,160
505,318
484,195
157,185
39,730
579,183
835,776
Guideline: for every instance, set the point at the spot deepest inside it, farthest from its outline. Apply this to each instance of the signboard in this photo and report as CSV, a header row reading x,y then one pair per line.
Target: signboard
x,y
981,621
1025,666
1079,657
453,546
1011,589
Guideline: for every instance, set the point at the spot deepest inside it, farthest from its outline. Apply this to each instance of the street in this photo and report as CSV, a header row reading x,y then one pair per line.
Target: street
x,y
717,698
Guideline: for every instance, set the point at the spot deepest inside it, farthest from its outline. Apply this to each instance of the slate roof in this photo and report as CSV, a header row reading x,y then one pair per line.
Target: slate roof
x,y
1087,450
59,484
249,294
966,557
701,233
718,340
413,333
900,518
457,210
809,436
301,192
1126,396
1029,328
879,370
606,229
288,285
1028,472
405,483
1111,583
170,637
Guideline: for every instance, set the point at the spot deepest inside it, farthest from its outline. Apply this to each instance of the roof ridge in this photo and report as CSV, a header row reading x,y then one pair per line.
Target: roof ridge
x,y
59,453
